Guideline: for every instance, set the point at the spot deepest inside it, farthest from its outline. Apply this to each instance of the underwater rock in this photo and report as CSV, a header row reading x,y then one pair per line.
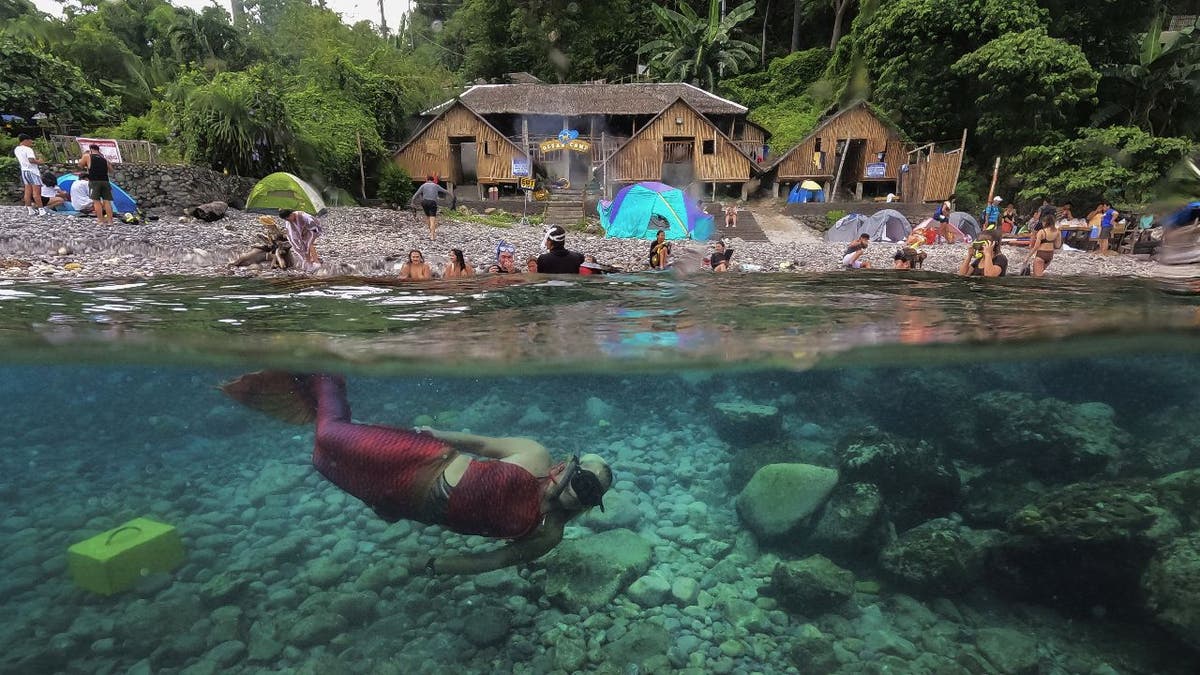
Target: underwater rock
x,y
1060,442
225,654
811,586
357,608
597,409
742,423
649,591
534,417
487,626
1096,512
273,478
1180,493
940,556
589,572
324,572
1172,588
1009,651
684,591
144,624
643,648
993,496
620,511
1084,545
223,586
747,459
917,481
850,525
812,651
263,645
315,629
781,497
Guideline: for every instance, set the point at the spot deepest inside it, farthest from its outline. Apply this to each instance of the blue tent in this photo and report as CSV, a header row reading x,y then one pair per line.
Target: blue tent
x,y
808,191
122,202
631,213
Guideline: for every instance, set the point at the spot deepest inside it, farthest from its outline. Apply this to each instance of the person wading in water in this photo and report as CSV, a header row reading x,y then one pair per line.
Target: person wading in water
x,y
494,487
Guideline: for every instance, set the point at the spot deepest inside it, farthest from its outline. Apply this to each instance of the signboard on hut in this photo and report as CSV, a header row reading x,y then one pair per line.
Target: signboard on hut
x,y
108,148
568,139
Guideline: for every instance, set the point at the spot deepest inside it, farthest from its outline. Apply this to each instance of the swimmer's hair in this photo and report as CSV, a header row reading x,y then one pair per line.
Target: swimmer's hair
x,y
864,236
418,252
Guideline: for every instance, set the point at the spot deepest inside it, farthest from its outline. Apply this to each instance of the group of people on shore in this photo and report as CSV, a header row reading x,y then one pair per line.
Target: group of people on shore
x,y
91,192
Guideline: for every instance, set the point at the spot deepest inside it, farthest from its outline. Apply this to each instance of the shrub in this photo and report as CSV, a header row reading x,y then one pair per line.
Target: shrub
x,y
831,217
9,170
395,185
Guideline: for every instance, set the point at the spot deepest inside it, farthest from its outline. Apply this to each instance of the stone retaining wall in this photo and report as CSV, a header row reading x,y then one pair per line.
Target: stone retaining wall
x,y
165,187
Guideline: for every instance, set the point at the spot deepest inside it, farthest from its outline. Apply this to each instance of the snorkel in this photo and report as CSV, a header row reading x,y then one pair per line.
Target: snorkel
x,y
584,484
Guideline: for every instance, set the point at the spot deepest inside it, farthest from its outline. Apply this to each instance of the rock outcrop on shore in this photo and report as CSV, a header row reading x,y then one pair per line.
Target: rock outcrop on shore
x,y
368,241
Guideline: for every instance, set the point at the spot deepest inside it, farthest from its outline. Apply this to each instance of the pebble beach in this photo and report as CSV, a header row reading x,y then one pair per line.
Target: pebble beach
x,y
371,241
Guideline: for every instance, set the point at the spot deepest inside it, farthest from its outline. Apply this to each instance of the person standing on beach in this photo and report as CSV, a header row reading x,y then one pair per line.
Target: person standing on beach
x,y
991,215
31,176
428,195
99,188
557,259
1108,216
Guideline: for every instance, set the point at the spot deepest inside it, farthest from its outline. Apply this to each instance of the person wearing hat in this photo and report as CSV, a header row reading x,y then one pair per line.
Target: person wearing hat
x,y
557,259
31,175
504,488
991,215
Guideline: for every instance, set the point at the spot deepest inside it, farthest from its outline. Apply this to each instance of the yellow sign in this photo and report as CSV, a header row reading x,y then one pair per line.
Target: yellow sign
x,y
528,183
575,145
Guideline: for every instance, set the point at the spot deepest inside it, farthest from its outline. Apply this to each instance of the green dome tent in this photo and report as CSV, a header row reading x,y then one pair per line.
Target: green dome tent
x,y
283,190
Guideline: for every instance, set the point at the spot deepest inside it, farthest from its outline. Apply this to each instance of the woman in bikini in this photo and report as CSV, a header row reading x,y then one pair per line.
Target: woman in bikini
x,y
1046,241
494,487
457,266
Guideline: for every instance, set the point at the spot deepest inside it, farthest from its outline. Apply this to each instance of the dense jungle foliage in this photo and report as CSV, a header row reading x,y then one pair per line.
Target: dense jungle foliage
x,y
1081,98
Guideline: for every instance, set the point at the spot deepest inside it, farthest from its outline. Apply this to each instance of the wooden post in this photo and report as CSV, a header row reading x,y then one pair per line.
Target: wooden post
x,y
604,165
962,152
525,143
566,155
837,180
995,177
362,171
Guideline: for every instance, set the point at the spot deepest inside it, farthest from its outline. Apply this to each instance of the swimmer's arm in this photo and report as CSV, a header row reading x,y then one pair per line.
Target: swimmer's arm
x,y
524,550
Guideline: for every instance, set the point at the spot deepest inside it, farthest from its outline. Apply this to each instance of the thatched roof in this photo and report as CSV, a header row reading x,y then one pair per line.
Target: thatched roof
x,y
589,99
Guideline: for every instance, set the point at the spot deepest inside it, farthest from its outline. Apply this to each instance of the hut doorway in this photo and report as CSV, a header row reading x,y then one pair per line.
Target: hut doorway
x,y
678,161
850,168
464,157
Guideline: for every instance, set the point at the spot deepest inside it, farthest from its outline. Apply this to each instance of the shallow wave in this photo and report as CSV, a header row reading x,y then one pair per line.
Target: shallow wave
x,y
579,324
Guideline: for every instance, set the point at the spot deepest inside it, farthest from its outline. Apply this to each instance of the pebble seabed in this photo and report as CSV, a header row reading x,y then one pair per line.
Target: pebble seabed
x,y
285,573
366,241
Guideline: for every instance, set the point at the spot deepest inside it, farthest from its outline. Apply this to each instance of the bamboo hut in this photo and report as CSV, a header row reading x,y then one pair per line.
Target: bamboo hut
x,y
461,147
600,118
856,151
680,147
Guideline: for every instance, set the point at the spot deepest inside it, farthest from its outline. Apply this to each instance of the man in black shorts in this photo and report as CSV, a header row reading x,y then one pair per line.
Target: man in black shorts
x,y
99,189
428,195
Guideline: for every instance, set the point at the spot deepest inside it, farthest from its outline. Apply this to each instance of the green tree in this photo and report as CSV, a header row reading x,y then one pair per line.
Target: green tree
x,y
238,123
697,50
1103,29
909,47
1028,86
1158,90
1119,163
36,82
331,126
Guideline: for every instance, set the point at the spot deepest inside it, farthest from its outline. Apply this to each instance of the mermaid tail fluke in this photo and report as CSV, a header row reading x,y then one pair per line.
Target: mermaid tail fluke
x,y
285,396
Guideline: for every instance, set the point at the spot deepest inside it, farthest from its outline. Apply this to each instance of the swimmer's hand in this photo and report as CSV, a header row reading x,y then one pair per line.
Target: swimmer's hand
x,y
425,430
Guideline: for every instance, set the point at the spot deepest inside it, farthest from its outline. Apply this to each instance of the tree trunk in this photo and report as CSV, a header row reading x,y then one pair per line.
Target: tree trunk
x,y
762,51
796,25
239,13
839,12
382,19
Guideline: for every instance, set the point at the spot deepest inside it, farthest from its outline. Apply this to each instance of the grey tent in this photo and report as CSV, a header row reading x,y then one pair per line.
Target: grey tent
x,y
888,225
965,223
847,228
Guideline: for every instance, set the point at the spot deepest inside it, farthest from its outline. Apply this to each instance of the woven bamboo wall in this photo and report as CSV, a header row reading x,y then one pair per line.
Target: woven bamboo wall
x,y
938,175
857,122
429,152
641,158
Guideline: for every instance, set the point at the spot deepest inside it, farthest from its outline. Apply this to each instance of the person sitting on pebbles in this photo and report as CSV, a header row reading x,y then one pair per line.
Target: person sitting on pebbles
x,y
302,231
271,245
719,260
852,258
504,488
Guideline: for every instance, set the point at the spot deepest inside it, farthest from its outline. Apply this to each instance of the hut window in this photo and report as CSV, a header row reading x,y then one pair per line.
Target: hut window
x,y
817,147
487,147
709,148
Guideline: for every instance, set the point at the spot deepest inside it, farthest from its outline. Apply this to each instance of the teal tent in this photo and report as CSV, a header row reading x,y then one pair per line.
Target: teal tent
x,y
631,214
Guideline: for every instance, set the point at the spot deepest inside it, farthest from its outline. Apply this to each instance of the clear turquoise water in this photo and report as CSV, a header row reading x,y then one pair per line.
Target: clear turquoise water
x,y
1023,390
